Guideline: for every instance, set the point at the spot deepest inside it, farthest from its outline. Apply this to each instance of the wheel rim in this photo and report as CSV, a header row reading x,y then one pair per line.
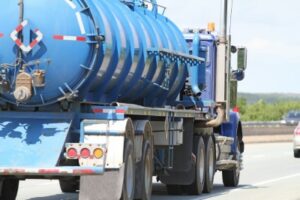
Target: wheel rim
x,y
201,169
211,163
148,176
129,177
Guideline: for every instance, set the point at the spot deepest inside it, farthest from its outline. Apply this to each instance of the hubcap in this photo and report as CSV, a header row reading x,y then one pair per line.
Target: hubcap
x,y
148,177
129,177
211,163
201,165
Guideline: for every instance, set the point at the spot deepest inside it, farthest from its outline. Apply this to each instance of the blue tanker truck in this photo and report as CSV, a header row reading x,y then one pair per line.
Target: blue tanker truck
x,y
104,95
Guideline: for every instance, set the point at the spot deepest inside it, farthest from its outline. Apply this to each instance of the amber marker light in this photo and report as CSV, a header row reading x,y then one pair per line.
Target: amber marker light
x,y
98,153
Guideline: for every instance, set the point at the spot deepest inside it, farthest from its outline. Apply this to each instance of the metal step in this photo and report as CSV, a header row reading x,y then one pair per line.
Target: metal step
x,y
223,147
226,165
224,140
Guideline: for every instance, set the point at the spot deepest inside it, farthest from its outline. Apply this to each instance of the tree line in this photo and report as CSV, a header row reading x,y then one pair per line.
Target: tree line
x,y
263,111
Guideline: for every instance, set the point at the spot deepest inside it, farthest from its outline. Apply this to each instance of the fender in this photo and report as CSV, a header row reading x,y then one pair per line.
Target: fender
x,y
233,128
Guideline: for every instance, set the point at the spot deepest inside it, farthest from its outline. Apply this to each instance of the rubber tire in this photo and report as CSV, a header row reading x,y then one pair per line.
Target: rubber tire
x,y
9,189
128,152
141,190
69,186
231,178
296,153
147,160
210,153
196,188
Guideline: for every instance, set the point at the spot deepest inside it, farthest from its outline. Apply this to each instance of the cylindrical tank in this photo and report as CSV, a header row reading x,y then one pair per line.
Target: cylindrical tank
x,y
89,50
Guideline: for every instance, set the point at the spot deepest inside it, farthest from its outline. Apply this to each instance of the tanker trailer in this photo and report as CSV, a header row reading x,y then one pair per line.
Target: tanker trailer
x,y
103,95
88,51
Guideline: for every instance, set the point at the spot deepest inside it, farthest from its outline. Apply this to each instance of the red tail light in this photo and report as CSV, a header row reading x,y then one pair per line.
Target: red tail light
x,y
297,131
72,153
85,153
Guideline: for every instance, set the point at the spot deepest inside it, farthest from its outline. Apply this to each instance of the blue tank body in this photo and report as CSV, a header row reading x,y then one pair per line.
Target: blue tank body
x,y
88,50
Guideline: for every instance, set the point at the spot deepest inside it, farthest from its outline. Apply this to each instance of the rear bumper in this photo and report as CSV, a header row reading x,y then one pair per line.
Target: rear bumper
x,y
56,171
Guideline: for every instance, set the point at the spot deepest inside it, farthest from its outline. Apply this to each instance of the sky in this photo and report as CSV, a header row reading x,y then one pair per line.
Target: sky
x,y
268,28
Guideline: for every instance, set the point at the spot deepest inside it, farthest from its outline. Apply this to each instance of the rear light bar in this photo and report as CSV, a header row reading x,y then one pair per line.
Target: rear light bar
x,y
85,151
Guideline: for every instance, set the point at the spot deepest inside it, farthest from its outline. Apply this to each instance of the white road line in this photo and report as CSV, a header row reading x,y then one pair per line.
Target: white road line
x,y
80,22
71,4
268,156
265,182
277,179
258,184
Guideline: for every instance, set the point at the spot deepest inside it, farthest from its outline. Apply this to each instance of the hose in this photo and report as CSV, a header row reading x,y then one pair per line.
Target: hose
x,y
220,117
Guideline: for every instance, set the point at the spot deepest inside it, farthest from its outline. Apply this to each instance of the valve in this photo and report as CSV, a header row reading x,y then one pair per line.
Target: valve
x,y
23,89
22,94
4,81
38,77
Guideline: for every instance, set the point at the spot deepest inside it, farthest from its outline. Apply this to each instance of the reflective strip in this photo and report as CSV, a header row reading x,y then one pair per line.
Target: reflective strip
x,y
83,171
117,111
37,39
18,42
69,38
120,111
13,35
72,171
24,48
48,171
21,26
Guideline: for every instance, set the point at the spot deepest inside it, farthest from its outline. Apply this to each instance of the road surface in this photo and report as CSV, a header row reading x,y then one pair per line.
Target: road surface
x,y
270,172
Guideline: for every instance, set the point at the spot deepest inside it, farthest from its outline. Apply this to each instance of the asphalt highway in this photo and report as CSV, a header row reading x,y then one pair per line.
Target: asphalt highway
x,y
270,172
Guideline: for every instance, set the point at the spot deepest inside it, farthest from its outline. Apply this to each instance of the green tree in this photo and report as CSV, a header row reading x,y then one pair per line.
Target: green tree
x,y
262,111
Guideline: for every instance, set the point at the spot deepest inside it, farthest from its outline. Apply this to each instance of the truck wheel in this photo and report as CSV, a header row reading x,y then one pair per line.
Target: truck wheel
x,y
148,171
210,164
296,153
199,149
9,189
231,178
144,172
129,173
68,186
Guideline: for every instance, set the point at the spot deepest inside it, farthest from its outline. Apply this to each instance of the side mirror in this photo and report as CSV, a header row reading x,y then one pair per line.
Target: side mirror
x,y
233,49
238,75
242,58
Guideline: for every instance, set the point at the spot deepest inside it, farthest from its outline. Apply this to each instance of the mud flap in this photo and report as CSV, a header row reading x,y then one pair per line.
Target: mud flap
x,y
105,187
32,140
